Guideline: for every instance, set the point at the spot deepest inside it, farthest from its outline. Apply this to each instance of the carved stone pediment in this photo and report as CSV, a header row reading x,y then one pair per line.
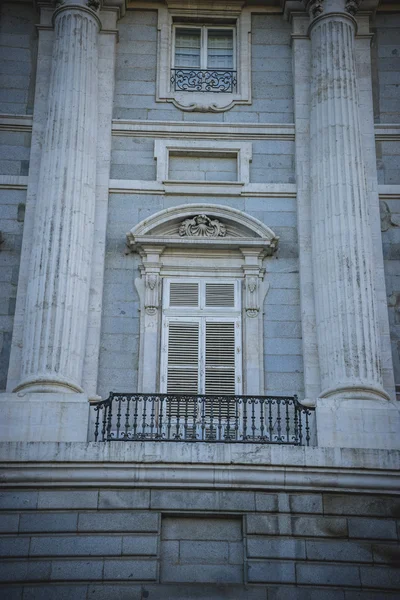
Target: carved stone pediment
x,y
202,225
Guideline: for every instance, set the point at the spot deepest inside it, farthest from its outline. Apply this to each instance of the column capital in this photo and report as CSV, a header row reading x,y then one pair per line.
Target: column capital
x,y
91,7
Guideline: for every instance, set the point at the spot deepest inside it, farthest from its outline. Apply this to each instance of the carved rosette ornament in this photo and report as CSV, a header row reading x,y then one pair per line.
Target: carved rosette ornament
x,y
315,8
152,293
252,296
202,226
352,6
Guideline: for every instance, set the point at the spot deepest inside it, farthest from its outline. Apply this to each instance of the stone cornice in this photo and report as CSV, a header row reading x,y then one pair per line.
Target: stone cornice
x,y
185,465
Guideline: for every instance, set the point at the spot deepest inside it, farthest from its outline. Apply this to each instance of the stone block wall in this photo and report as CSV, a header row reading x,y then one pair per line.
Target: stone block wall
x,y
390,225
18,53
386,57
159,544
12,210
137,63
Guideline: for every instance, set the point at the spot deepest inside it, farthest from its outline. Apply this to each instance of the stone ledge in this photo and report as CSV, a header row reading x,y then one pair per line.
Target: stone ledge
x,y
185,465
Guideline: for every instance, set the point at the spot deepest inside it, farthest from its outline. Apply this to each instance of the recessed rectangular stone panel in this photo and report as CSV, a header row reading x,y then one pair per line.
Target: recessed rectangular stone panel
x,y
199,550
130,570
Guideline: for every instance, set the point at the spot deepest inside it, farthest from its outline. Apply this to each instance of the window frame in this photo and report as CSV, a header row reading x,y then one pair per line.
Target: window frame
x,y
204,46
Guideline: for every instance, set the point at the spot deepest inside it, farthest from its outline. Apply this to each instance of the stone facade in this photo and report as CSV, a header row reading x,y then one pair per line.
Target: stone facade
x,y
290,182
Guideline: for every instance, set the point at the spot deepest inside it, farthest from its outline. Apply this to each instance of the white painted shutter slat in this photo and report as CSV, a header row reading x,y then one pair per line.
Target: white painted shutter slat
x,y
183,294
220,295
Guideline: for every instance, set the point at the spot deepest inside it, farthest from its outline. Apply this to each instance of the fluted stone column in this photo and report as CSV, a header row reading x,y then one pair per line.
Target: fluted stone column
x,y
354,408
58,289
345,301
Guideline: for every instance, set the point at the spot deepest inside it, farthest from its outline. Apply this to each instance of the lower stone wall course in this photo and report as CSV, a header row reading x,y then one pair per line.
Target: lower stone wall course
x,y
380,577
205,574
339,551
201,500
47,522
340,575
129,500
297,593
76,570
383,529
298,526
82,545
140,545
55,591
271,572
11,592
199,592
387,553
114,591
119,521
9,523
18,500
130,570
67,499
14,546
374,506
21,570
258,547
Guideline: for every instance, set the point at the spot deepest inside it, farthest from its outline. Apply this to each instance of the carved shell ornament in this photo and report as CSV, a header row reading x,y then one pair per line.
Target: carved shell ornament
x,y
202,226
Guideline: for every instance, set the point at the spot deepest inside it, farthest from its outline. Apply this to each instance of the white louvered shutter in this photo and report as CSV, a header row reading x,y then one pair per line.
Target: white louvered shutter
x,y
183,357
220,377
220,295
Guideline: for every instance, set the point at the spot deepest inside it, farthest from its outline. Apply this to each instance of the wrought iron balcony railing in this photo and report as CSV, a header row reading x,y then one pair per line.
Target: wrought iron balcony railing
x,y
186,418
203,80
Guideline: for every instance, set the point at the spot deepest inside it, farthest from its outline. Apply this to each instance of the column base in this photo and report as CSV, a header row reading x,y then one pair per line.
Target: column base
x,y
44,417
358,423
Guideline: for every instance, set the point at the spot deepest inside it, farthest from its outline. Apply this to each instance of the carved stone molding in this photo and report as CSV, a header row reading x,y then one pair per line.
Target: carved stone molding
x,y
152,292
252,297
202,226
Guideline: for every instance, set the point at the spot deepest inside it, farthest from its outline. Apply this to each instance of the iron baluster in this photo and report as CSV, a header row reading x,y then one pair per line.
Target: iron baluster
x,y
97,423
109,420
211,432
152,416
218,429
278,421
306,411
135,417
144,416
262,436
270,423
177,425
104,424
160,417
203,418
287,420
253,419
169,416
125,433
300,426
118,416
244,436
296,423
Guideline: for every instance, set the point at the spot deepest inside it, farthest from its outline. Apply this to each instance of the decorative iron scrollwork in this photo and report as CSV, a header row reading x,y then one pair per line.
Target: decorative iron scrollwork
x,y
203,80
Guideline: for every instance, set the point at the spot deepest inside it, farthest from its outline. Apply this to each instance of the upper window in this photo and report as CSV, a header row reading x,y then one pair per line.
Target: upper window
x,y
204,59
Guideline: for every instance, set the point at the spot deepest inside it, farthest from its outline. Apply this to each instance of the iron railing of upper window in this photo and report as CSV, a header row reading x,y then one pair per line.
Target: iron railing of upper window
x,y
203,418
203,80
